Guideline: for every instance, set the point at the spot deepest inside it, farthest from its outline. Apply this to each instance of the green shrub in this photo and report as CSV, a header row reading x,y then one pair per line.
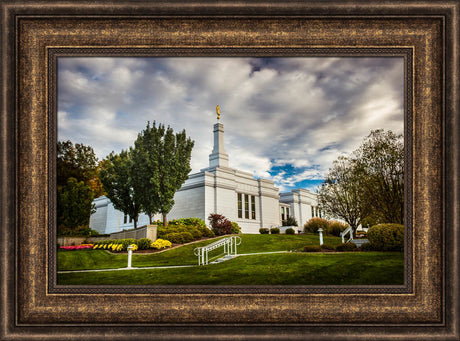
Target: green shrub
x,y
126,242
179,237
386,237
220,225
197,230
187,237
290,221
312,248
335,227
346,247
263,230
174,237
236,229
290,231
188,222
327,247
314,224
366,247
205,231
143,243
195,233
275,230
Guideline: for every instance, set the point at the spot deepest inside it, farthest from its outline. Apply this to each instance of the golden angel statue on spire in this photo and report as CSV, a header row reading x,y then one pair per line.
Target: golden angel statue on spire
x,y
218,112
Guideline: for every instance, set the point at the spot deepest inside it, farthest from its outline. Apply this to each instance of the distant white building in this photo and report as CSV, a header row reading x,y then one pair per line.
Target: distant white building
x,y
252,203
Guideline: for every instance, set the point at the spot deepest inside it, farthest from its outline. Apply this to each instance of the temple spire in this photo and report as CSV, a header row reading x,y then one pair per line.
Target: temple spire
x,y
218,157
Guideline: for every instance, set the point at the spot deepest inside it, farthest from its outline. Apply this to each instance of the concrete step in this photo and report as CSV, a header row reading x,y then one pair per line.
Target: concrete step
x,y
359,242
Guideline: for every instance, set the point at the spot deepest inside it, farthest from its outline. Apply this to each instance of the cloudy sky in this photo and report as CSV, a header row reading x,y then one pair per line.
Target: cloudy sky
x,y
285,119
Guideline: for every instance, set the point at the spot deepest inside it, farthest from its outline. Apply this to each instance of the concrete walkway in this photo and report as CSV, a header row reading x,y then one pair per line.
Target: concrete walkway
x,y
132,268
170,266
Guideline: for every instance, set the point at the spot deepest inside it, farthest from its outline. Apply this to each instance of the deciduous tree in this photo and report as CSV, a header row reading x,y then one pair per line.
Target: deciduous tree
x,y
162,160
340,194
368,185
380,160
74,205
76,182
116,177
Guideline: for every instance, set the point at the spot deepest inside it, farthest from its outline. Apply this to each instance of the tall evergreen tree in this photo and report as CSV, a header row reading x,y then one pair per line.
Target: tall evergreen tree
x,y
116,177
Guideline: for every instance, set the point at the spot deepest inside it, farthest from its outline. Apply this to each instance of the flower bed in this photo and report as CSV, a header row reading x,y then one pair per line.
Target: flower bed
x,y
77,247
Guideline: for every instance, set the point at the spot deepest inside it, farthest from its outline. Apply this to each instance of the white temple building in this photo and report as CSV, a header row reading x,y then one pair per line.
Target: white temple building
x,y
252,203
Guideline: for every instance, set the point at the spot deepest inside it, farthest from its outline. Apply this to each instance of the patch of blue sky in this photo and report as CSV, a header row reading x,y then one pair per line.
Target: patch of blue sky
x,y
311,185
289,177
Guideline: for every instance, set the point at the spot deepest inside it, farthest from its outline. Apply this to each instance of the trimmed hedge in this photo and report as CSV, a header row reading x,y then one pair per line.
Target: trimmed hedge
x,y
197,231
143,243
275,230
290,231
205,232
327,247
366,247
346,247
179,237
264,230
312,248
386,237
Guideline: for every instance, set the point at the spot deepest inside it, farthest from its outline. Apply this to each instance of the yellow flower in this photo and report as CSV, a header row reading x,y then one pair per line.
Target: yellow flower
x,y
161,244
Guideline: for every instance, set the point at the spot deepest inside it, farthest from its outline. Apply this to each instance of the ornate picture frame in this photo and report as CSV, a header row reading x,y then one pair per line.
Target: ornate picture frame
x,y
34,34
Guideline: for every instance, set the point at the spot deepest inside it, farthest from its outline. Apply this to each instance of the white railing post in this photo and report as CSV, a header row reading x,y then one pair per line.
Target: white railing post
x,y
130,255
229,244
320,230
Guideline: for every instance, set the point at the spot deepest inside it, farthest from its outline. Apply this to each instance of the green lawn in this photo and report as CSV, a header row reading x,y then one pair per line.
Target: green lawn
x,y
250,243
354,268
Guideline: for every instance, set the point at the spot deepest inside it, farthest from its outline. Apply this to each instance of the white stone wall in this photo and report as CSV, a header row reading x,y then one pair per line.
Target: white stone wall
x,y
224,192
300,201
189,202
98,220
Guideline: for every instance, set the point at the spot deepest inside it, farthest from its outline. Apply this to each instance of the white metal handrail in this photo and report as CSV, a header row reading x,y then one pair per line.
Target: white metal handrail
x,y
229,244
349,230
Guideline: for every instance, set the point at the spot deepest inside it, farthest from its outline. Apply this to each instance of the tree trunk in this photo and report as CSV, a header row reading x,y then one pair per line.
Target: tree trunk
x,y
135,223
150,218
165,221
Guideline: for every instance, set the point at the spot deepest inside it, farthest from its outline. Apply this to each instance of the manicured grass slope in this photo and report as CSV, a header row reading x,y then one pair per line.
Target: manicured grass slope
x,y
366,268
101,259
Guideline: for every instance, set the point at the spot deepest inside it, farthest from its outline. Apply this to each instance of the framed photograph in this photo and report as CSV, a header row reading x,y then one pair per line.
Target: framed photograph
x,y
41,41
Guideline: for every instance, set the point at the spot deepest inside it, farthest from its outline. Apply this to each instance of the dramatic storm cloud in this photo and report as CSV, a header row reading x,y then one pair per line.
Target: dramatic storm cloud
x,y
285,119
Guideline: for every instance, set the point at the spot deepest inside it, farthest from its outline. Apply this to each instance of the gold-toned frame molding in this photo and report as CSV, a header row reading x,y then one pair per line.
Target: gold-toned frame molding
x,y
35,34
